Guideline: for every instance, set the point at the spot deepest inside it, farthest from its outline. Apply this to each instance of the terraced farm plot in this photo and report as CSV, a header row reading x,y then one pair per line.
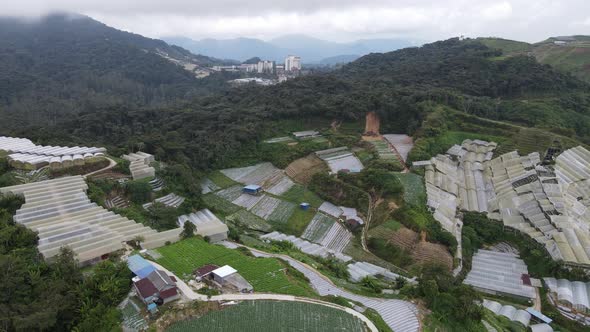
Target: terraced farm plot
x,y
254,316
384,150
318,228
231,193
216,203
265,274
281,186
208,186
282,213
251,221
265,207
302,169
414,191
247,201
284,139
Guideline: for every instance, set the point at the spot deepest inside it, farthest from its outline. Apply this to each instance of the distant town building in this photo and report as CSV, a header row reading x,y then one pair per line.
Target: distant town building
x,y
266,67
292,63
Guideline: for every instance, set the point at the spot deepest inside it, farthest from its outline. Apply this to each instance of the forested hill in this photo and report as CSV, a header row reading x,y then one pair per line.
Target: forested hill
x,y
465,66
61,64
569,54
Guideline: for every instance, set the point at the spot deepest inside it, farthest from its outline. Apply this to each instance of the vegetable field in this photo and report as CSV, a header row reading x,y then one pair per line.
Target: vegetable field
x,y
231,193
318,227
414,192
282,212
250,220
265,207
265,274
217,203
273,316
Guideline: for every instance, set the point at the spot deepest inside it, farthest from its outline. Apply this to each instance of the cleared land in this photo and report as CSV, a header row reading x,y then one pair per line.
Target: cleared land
x,y
273,316
302,169
265,274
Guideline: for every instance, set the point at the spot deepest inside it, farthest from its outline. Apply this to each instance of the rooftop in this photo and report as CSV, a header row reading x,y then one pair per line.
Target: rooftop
x,y
224,271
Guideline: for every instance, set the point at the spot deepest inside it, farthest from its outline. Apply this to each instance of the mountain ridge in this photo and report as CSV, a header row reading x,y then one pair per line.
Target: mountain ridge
x,y
310,49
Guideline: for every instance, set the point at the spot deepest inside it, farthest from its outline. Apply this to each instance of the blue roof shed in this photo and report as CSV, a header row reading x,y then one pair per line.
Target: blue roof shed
x,y
252,189
139,266
304,206
539,315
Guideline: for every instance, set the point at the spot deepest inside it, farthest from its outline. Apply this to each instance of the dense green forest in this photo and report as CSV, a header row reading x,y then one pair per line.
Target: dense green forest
x,y
404,87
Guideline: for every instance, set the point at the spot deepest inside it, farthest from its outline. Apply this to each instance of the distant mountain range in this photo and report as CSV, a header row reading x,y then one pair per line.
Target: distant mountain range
x,y
566,53
311,50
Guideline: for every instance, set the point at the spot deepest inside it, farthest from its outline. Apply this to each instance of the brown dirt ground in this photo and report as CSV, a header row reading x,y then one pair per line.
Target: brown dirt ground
x,y
302,169
422,251
372,124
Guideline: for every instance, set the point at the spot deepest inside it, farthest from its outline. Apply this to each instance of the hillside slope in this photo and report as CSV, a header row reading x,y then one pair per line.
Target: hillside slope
x,y
63,63
569,54
403,87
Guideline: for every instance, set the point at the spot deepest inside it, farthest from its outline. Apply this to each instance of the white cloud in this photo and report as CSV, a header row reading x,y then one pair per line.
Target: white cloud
x,y
497,11
529,20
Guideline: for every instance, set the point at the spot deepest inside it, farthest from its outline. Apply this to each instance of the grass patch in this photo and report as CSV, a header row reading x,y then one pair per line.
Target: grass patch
x,y
272,316
298,222
265,274
221,180
299,194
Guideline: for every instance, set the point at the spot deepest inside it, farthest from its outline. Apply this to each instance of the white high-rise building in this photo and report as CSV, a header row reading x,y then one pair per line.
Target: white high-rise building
x,y
292,63
266,66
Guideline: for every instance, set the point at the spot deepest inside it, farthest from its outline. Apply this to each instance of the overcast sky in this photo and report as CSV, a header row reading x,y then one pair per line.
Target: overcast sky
x,y
338,20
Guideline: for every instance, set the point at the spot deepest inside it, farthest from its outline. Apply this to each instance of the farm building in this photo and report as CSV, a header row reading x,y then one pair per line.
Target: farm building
x,y
340,159
139,266
207,224
499,273
348,215
139,165
307,247
204,271
228,277
573,297
306,134
24,154
270,178
62,214
359,270
157,287
170,200
541,328
403,144
252,189
548,204
508,311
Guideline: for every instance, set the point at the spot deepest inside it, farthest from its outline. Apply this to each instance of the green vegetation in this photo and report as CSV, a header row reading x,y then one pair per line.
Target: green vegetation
x,y
389,252
414,191
298,222
220,179
450,301
339,192
571,57
299,194
265,274
418,218
251,316
219,205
